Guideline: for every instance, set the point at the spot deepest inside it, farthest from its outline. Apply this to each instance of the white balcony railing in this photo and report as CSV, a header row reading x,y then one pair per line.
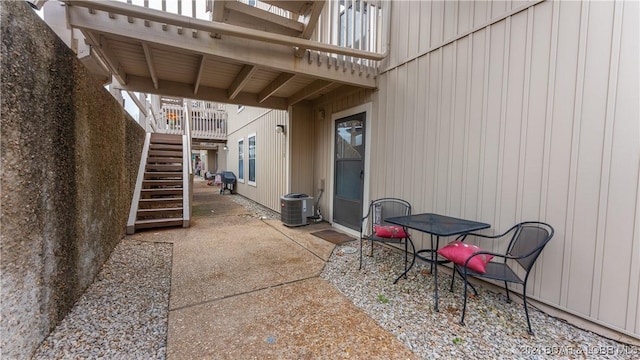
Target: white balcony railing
x,y
354,24
208,120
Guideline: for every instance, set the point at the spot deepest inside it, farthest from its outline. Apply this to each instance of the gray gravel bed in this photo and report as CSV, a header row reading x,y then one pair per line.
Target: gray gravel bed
x,y
123,314
494,328
258,210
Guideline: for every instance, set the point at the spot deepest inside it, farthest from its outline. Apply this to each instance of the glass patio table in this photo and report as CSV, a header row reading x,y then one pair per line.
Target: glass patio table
x,y
436,226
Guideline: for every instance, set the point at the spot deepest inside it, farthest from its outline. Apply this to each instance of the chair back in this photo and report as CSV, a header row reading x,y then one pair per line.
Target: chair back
x,y
381,209
528,241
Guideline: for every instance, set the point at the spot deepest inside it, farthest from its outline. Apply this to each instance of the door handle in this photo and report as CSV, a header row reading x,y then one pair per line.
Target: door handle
x,y
361,174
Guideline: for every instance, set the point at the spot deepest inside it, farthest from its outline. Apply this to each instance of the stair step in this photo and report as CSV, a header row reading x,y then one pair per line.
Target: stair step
x,y
161,167
152,183
159,213
166,153
145,193
162,175
166,139
163,160
153,223
165,147
154,201
149,211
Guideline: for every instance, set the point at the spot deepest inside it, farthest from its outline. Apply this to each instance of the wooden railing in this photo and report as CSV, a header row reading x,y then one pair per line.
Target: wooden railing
x,y
207,120
354,24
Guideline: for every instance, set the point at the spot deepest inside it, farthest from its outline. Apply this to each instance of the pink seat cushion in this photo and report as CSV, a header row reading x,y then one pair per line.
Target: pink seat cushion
x,y
389,231
459,252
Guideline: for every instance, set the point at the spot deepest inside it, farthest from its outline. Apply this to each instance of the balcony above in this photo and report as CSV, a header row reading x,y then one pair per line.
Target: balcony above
x,y
207,120
270,54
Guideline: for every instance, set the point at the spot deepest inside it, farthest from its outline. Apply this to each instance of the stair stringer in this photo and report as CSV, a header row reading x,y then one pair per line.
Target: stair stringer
x,y
133,210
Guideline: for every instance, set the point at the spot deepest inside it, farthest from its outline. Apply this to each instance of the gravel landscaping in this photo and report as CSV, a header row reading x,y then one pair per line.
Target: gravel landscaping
x,y
123,314
494,328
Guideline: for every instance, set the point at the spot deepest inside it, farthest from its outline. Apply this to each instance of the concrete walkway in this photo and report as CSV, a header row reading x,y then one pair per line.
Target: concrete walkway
x,y
245,288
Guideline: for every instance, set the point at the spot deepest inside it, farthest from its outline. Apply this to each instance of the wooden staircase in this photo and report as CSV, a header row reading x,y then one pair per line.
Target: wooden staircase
x,y
160,191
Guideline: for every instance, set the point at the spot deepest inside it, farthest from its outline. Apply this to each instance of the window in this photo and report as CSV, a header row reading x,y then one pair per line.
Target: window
x,y
241,160
252,2
346,28
252,159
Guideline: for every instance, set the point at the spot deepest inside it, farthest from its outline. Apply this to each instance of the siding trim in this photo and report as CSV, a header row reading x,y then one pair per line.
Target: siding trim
x,y
607,151
434,185
526,94
467,122
485,110
635,269
497,215
457,37
575,147
452,123
548,126
548,122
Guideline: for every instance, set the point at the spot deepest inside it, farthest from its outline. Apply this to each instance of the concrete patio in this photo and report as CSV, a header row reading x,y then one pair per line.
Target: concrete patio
x,y
245,287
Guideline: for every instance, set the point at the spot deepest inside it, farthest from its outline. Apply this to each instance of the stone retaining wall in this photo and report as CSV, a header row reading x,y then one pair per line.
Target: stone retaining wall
x,y
69,157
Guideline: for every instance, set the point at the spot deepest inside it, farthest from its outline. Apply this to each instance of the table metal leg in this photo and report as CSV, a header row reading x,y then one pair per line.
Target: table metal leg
x,y
434,271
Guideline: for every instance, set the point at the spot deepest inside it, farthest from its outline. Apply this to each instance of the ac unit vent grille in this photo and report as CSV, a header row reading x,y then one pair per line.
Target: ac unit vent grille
x,y
294,211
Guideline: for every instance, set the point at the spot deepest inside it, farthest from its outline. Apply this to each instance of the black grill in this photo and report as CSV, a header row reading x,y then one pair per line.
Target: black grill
x,y
228,181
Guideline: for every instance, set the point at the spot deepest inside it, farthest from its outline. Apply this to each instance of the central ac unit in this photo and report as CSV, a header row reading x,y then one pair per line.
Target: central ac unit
x,y
295,208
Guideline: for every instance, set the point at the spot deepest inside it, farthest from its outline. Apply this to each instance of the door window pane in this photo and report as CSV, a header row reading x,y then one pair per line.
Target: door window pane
x,y
348,182
349,140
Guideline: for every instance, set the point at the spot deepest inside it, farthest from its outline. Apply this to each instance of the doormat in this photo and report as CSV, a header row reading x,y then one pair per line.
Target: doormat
x,y
333,236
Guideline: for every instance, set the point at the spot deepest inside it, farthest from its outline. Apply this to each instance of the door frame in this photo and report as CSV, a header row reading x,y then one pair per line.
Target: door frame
x,y
366,108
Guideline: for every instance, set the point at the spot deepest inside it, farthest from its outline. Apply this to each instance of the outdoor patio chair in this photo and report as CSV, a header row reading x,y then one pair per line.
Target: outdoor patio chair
x,y
375,229
528,240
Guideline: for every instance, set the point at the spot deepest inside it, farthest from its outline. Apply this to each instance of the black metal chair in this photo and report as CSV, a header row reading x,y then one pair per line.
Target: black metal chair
x,y
528,240
374,228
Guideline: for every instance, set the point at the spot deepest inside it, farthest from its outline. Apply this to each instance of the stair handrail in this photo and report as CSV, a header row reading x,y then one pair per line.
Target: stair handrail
x,y
135,200
187,170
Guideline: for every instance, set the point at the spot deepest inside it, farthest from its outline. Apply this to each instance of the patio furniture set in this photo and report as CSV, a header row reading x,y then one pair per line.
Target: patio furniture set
x,y
388,220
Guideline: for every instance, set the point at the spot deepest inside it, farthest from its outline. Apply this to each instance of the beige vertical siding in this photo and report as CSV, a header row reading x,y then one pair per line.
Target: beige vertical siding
x,y
301,140
271,152
517,110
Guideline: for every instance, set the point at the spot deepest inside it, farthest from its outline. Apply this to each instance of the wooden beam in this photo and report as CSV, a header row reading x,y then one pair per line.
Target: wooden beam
x,y
310,90
274,86
241,80
109,57
150,64
205,93
196,81
246,51
310,24
217,15
218,10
